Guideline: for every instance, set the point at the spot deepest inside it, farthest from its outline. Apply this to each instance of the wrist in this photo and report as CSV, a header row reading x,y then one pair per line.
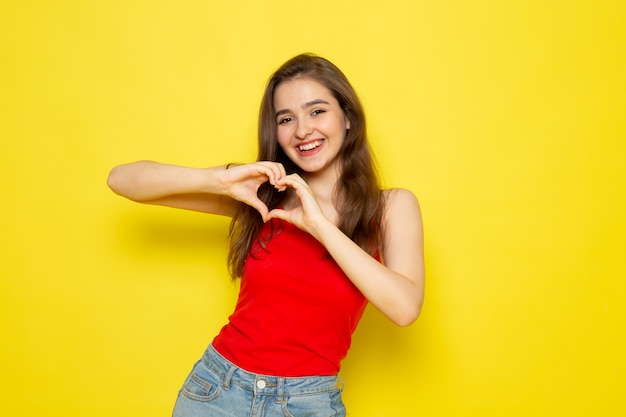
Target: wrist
x,y
214,180
322,228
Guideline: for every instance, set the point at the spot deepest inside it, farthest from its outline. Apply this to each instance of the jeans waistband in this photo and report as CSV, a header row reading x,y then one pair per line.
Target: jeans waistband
x,y
229,373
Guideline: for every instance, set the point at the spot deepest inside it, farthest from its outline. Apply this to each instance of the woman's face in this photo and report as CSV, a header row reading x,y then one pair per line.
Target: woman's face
x,y
311,126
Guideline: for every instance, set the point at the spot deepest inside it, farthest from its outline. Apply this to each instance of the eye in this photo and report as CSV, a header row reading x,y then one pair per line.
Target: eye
x,y
317,112
285,120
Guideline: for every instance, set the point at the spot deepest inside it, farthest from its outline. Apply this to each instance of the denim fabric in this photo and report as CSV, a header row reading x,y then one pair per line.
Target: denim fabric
x,y
217,388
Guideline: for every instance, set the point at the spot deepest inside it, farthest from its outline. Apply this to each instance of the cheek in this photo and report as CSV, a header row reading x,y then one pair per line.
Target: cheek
x,y
282,136
339,124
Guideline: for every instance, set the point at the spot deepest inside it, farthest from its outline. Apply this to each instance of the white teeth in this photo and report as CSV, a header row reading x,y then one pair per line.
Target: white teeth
x,y
309,146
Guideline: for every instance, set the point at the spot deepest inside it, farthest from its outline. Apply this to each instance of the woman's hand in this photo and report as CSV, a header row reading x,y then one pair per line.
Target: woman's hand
x,y
242,182
213,190
306,212
395,287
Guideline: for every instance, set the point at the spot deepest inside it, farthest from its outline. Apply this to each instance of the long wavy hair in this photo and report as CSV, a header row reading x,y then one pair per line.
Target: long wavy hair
x,y
357,196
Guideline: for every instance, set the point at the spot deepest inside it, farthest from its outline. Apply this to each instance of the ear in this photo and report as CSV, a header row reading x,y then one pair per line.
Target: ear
x,y
347,123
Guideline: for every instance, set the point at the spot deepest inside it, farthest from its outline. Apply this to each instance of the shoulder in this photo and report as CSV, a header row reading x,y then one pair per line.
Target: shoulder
x,y
402,212
399,199
402,229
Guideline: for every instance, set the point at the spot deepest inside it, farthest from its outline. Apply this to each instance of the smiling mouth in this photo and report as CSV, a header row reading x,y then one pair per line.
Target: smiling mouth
x,y
310,146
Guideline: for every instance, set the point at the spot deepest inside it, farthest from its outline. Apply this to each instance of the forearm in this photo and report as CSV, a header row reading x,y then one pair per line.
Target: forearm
x,y
146,181
396,295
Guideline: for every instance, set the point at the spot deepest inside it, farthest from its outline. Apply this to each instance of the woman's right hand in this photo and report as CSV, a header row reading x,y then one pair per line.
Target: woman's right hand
x,y
242,182
213,190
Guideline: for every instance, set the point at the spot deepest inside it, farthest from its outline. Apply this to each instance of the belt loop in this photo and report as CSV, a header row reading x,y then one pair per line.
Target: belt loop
x,y
280,391
340,384
228,377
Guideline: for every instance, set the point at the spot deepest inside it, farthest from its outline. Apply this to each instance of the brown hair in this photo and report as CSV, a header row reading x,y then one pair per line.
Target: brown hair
x,y
357,195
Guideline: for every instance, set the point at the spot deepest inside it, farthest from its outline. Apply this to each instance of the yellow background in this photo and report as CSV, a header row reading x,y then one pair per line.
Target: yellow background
x,y
506,118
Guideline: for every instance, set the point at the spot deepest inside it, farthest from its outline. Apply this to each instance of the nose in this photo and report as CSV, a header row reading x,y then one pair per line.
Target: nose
x,y
303,129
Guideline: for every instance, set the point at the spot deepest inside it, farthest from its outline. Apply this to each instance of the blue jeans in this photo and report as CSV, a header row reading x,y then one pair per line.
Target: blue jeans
x,y
217,388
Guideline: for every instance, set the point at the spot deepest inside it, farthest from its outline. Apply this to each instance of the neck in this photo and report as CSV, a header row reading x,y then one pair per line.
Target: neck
x,y
323,186
323,183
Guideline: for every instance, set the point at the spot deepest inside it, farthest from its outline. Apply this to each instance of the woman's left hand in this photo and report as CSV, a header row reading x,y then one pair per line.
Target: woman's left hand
x,y
306,213
395,287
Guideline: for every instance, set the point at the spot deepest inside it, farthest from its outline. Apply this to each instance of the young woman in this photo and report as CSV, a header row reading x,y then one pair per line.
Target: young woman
x,y
313,238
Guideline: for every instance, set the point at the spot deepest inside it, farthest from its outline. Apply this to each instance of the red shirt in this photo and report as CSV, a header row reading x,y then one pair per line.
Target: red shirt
x,y
296,310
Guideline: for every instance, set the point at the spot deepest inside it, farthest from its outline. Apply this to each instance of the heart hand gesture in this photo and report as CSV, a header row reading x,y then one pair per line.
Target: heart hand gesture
x,y
242,182
306,212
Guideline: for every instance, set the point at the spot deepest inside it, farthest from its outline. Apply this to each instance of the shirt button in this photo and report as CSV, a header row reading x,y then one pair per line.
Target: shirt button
x,y
260,384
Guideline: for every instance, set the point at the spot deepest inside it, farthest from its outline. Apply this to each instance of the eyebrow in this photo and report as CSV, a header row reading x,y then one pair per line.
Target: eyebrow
x,y
304,106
